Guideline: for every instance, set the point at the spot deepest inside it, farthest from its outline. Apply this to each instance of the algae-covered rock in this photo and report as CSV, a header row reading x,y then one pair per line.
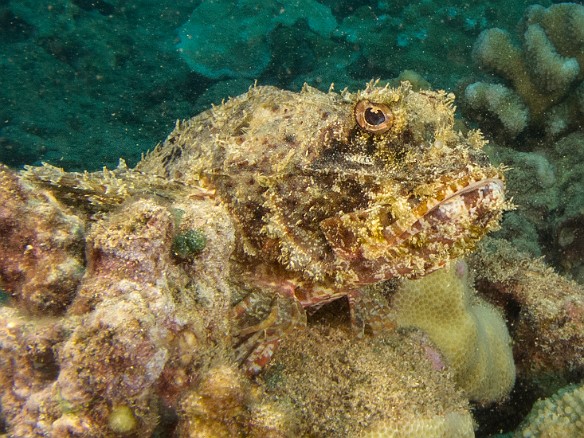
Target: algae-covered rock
x,y
336,385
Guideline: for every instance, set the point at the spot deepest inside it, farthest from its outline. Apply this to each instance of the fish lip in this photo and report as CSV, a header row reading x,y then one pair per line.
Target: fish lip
x,y
478,198
493,187
476,186
454,208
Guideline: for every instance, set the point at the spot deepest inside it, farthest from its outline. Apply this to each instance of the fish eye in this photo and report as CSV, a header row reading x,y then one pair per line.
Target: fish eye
x,y
376,118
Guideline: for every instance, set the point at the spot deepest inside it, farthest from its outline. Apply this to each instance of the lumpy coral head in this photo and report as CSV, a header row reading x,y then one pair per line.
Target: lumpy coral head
x,y
470,333
349,188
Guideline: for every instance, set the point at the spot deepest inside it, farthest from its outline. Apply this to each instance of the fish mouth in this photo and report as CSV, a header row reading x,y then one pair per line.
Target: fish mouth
x,y
377,244
473,204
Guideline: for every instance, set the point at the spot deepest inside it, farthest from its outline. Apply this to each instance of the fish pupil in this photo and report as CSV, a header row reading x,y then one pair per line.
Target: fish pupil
x,y
374,117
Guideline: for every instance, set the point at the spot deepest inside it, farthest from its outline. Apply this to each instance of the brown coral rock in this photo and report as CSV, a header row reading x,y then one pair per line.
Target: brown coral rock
x,y
548,329
41,249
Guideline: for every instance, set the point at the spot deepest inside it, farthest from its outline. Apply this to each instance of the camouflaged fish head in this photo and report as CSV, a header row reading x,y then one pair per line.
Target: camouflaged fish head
x,y
349,188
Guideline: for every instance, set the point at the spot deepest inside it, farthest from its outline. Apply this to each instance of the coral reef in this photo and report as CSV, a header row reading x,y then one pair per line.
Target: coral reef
x,y
545,310
469,332
559,415
288,190
544,74
41,250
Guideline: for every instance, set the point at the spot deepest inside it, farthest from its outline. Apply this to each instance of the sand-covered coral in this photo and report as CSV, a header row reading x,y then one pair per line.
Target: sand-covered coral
x,y
540,74
469,332
561,415
381,387
296,212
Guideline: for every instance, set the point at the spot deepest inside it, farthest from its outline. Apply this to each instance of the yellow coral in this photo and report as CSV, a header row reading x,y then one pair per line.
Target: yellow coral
x,y
559,416
470,333
451,425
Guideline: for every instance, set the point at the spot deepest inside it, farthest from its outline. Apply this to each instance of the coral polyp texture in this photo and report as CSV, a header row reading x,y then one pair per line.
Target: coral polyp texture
x,y
541,76
469,332
277,219
562,414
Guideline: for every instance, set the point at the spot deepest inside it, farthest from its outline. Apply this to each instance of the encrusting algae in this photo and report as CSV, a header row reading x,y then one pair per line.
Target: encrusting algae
x,y
282,203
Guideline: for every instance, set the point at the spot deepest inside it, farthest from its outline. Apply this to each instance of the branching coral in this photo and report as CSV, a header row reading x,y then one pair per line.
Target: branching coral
x,y
543,77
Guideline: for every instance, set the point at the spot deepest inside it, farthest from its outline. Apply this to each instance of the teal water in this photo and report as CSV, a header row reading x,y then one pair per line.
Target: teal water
x,y
85,82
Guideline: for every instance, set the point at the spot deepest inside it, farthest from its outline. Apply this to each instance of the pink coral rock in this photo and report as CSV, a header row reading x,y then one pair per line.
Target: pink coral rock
x,y
41,250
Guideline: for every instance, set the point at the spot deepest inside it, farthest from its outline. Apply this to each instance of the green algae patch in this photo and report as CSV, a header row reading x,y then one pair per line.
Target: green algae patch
x,y
188,244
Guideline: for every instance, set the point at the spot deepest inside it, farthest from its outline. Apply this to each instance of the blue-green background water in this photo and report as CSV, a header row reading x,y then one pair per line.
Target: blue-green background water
x,y
84,82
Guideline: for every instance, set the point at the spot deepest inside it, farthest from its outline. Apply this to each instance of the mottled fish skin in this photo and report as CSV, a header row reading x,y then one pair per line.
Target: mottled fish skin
x,y
329,195
339,190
